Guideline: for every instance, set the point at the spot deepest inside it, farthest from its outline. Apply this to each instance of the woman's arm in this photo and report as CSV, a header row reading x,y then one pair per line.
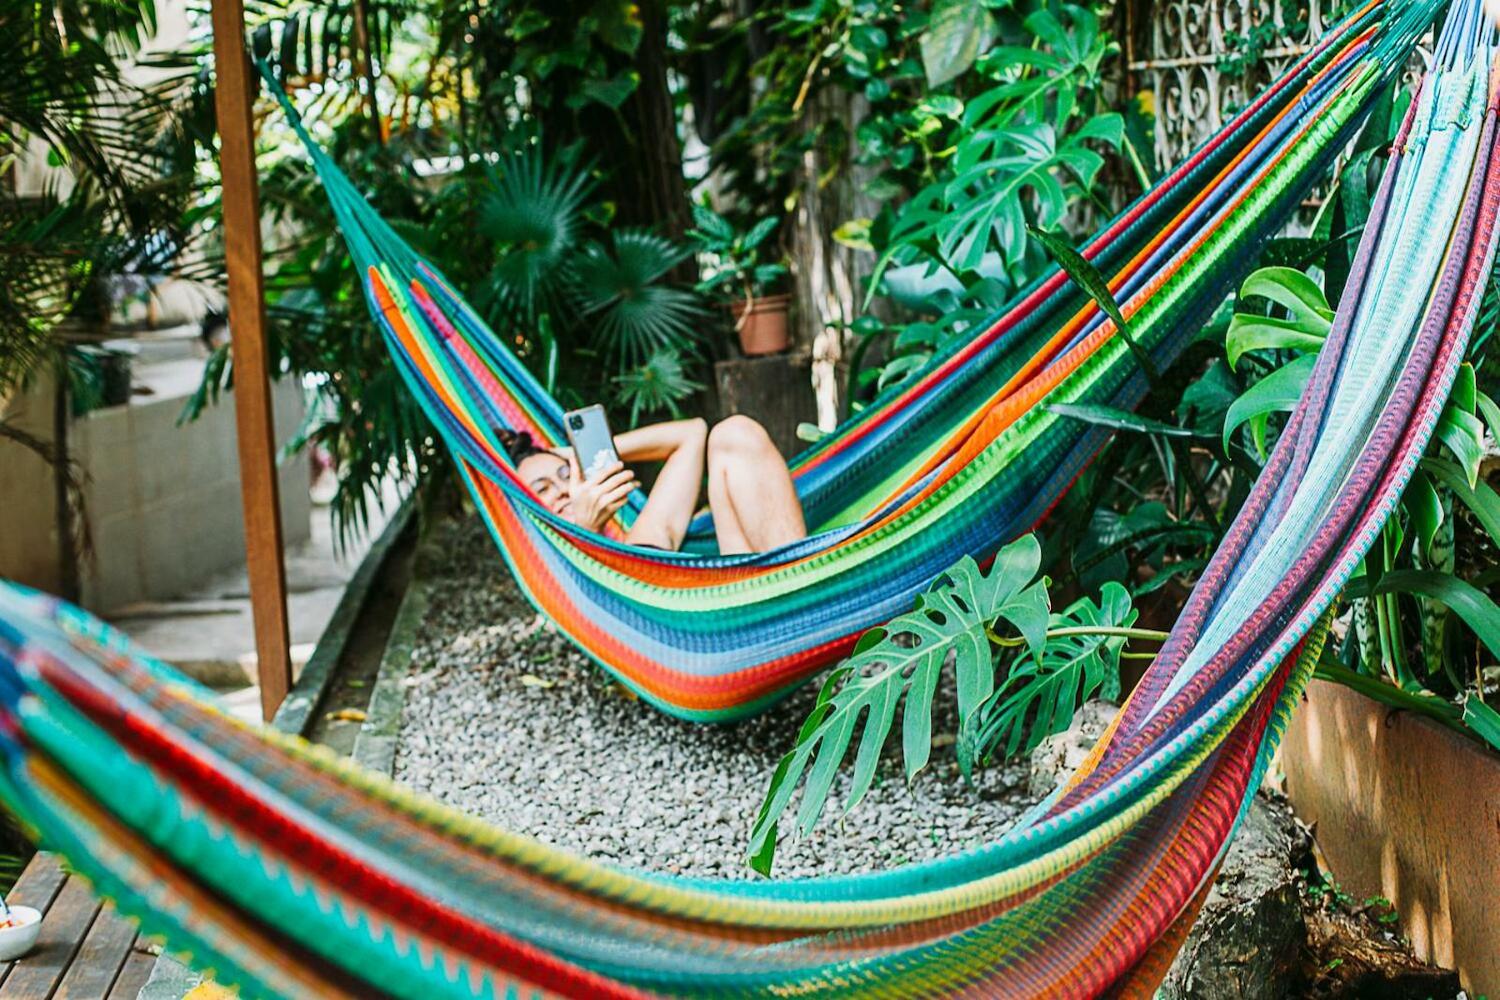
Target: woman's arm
x,y
681,445
657,442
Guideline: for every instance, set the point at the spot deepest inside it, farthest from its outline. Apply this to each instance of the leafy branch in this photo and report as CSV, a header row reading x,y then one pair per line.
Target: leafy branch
x,y
1012,690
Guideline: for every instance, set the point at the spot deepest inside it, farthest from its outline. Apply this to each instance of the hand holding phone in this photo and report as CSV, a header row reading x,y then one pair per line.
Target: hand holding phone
x,y
595,498
588,433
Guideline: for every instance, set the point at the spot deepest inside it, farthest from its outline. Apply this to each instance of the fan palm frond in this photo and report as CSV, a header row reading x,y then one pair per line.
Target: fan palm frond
x,y
619,287
532,209
660,384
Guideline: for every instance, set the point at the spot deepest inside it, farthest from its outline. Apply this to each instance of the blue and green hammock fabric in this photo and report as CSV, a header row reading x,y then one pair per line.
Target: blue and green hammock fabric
x,y
290,873
960,459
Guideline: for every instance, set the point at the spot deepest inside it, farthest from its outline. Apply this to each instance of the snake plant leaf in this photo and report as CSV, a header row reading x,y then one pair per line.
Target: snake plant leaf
x,y
1040,695
903,661
1470,603
1480,498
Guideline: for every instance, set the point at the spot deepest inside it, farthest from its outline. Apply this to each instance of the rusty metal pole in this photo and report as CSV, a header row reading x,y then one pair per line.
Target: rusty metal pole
x,y
252,376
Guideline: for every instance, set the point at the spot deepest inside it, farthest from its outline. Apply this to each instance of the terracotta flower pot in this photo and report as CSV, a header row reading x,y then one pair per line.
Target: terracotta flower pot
x,y
761,324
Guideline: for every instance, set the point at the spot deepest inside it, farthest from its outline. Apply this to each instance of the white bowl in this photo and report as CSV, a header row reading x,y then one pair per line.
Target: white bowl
x,y
17,940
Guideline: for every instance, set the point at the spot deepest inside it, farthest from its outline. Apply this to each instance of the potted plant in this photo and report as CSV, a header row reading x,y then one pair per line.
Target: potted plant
x,y
737,273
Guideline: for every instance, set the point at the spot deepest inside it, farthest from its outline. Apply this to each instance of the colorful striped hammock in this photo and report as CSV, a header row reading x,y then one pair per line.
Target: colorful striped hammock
x,y
290,873
959,460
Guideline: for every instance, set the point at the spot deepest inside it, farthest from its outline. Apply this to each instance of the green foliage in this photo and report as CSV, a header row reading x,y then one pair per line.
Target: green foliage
x,y
1012,690
658,384
1282,321
736,267
1295,326
1278,392
1303,327
1470,603
903,660
1080,660
530,208
1482,720
529,150
620,287
575,291
1001,171
1019,153
127,152
950,44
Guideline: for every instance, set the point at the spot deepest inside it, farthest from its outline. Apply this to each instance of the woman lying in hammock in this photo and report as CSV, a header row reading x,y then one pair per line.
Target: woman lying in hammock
x,y
750,491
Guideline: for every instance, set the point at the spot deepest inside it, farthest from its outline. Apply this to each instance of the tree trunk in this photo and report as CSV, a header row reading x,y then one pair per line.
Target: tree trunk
x,y
656,174
828,277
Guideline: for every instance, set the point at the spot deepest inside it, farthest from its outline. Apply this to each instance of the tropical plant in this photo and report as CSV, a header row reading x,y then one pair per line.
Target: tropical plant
x,y
1415,555
1019,673
1001,168
581,290
116,198
734,264
658,384
620,285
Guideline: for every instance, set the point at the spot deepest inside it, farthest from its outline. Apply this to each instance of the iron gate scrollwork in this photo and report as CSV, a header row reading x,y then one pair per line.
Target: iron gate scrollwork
x,y
1205,61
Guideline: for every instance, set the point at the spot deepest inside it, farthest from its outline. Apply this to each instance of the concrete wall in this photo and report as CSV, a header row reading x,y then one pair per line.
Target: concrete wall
x,y
163,501
28,522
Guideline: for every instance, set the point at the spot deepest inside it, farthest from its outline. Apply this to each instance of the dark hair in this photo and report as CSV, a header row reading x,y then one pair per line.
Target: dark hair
x,y
520,445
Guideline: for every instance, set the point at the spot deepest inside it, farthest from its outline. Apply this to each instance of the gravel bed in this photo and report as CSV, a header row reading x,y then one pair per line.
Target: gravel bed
x,y
506,720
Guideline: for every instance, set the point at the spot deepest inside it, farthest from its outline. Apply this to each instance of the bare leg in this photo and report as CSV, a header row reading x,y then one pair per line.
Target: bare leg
x,y
674,496
750,491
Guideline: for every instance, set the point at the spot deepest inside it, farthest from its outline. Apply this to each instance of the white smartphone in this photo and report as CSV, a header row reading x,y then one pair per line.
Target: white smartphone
x,y
588,433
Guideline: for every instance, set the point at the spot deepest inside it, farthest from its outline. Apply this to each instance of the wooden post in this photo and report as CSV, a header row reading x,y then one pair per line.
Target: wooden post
x,y
247,327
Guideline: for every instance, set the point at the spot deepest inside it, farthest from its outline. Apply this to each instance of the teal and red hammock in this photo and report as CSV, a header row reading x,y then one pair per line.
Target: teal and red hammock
x,y
958,461
291,873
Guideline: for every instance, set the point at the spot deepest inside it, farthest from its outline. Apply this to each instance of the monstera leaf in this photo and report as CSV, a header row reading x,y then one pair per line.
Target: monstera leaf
x,y
1039,696
904,660
1304,327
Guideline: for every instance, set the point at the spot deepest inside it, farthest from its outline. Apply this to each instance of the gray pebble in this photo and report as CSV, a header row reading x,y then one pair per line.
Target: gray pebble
x,y
507,721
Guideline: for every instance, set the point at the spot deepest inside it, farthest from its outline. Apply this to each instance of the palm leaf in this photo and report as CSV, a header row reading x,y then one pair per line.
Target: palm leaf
x,y
619,287
659,384
532,209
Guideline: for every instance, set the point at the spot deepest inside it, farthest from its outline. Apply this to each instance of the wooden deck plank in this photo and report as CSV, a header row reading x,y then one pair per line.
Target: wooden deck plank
x,y
37,887
63,928
99,960
134,973
39,883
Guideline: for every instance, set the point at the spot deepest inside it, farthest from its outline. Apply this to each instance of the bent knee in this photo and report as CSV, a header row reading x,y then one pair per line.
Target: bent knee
x,y
739,433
